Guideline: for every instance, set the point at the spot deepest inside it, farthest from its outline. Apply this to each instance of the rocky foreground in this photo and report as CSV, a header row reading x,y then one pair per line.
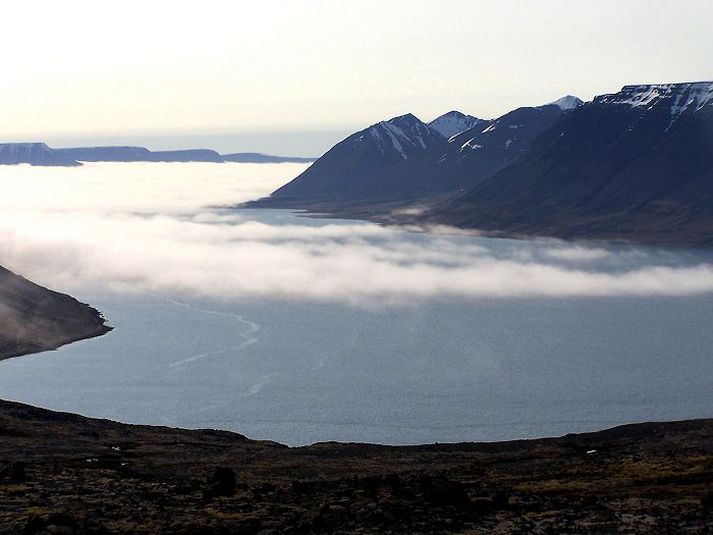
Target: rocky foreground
x,y
64,474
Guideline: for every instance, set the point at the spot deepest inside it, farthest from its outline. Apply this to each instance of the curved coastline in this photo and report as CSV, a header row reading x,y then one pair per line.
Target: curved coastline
x,y
36,319
65,473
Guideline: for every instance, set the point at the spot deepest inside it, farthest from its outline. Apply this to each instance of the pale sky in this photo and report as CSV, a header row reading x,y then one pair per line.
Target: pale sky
x,y
295,76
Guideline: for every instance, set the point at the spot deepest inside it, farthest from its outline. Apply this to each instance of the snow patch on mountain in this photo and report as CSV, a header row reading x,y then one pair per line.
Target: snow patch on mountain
x,y
405,134
453,122
567,102
678,97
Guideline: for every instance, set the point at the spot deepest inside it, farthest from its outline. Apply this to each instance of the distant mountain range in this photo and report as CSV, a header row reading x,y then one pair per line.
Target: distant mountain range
x,y
33,153
41,154
637,164
404,159
633,165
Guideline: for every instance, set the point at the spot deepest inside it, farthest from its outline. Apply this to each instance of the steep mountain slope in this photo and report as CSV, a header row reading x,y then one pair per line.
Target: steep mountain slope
x,y
387,160
637,164
401,161
474,155
453,122
37,319
33,154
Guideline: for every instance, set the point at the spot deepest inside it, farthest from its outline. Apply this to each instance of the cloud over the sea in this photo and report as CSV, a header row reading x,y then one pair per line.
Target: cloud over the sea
x,y
151,228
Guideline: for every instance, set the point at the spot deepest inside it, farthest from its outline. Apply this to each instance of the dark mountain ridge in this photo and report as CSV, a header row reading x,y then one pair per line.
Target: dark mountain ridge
x,y
403,160
388,160
472,156
637,164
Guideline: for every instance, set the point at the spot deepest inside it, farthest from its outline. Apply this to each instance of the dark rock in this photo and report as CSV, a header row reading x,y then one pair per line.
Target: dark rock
x,y
55,524
483,505
221,483
707,501
443,491
15,473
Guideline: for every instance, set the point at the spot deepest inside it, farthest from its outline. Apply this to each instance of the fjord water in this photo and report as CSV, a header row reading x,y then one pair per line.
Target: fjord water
x,y
559,338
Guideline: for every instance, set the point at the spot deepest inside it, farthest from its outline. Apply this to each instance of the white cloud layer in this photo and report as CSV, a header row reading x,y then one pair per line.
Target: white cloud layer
x,y
150,228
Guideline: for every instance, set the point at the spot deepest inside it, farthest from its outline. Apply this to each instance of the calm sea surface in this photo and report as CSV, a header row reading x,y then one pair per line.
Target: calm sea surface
x,y
434,369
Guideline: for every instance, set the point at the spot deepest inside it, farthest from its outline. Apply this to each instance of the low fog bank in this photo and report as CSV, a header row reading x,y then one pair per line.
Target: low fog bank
x,y
153,227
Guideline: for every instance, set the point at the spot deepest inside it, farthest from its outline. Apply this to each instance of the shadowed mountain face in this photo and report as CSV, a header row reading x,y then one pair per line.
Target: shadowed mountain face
x,y
33,154
403,160
388,160
34,318
637,164
473,155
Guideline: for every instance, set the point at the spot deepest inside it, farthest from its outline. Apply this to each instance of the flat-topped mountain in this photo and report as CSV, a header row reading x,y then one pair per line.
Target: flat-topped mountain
x,y
139,154
636,164
41,154
453,122
33,154
37,319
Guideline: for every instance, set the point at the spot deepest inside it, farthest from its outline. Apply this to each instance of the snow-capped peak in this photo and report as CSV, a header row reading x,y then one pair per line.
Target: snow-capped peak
x,y
567,102
453,122
679,97
406,134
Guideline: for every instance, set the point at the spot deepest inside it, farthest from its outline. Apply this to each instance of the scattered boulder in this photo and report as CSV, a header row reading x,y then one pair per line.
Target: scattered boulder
x,y
707,501
221,483
443,491
483,505
15,472
55,524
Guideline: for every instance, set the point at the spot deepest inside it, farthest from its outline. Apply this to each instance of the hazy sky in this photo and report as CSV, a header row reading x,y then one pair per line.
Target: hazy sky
x,y
206,73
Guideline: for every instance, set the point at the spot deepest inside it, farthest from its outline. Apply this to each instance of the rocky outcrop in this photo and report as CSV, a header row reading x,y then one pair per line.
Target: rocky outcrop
x,y
37,319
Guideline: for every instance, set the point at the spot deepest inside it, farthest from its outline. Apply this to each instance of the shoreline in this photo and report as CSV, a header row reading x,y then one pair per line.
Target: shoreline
x,y
37,319
60,471
378,215
70,474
